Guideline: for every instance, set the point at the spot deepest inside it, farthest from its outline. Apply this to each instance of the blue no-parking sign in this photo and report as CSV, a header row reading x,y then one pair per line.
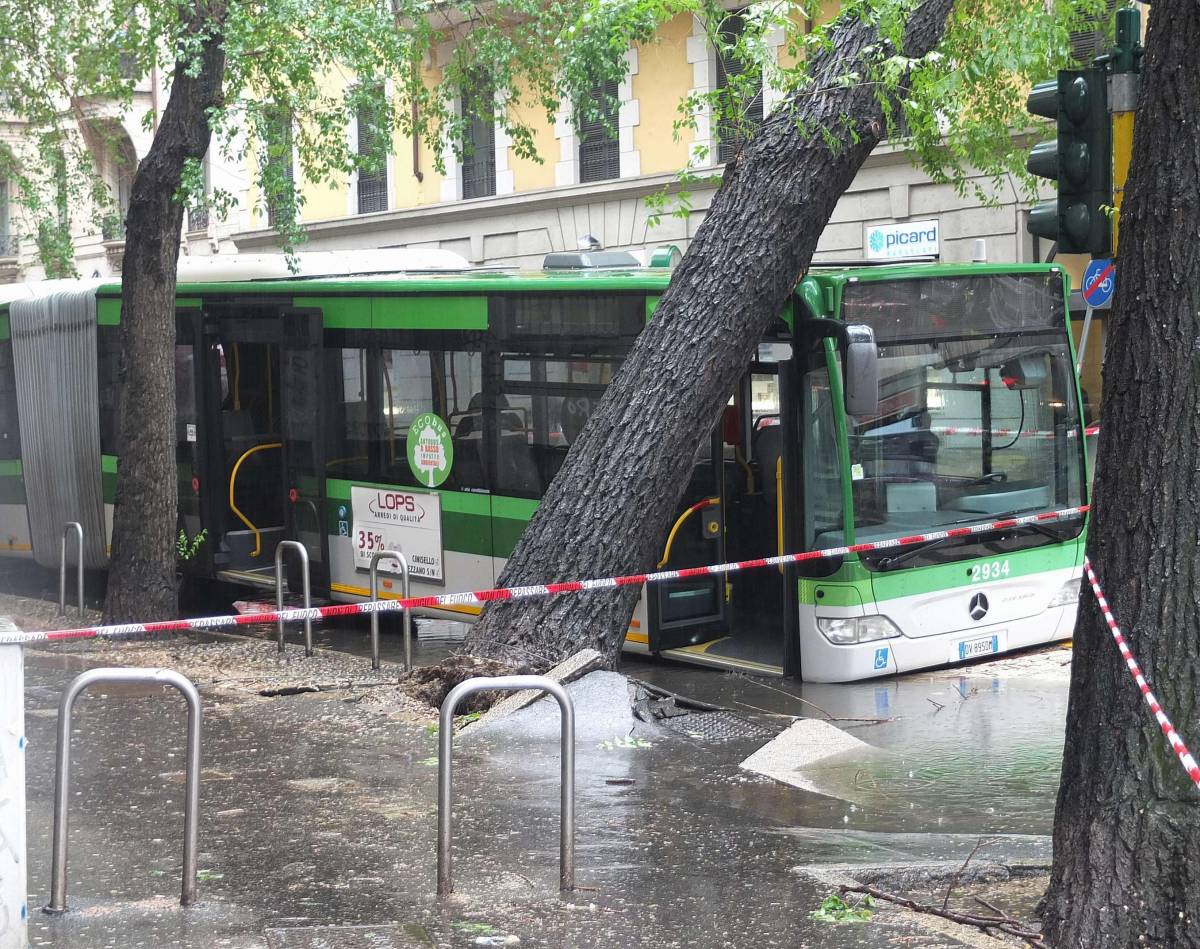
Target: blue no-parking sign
x,y
1099,282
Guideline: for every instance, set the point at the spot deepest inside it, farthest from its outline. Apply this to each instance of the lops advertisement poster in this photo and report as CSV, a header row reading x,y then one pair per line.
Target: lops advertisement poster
x,y
407,521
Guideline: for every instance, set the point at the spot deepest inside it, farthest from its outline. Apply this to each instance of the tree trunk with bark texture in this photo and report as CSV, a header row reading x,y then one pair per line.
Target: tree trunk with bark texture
x,y
1127,829
141,580
609,508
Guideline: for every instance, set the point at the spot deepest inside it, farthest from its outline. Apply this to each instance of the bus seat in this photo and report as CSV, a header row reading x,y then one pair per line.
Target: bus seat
x,y
516,468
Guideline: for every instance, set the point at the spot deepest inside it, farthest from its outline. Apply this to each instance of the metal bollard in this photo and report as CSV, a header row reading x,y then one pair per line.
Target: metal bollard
x,y
566,844
62,775
399,557
62,568
303,551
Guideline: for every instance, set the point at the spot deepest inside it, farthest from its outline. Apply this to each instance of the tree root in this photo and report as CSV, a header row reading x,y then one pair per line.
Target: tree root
x,y
997,920
431,684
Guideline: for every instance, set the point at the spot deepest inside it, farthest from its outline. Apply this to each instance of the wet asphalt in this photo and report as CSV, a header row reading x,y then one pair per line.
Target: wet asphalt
x,y
318,821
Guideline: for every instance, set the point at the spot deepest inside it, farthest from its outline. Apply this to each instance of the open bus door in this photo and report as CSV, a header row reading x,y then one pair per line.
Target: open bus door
x,y
694,610
191,445
301,378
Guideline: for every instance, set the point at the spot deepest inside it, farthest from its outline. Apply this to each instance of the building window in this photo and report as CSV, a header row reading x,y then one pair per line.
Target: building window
x,y
741,85
372,185
198,216
479,147
278,161
599,147
8,240
1086,45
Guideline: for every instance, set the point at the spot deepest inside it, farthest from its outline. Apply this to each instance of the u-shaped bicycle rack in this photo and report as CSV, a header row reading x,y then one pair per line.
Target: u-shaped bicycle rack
x,y
77,528
303,552
399,558
62,775
566,843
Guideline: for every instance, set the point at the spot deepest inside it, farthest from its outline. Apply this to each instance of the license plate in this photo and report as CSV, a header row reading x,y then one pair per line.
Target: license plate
x,y
985,646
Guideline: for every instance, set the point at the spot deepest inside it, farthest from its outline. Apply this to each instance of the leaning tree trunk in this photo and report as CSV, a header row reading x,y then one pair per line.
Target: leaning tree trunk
x,y
1127,829
608,509
141,580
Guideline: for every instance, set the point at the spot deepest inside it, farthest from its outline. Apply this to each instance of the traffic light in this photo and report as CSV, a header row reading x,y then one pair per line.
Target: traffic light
x,y
1080,160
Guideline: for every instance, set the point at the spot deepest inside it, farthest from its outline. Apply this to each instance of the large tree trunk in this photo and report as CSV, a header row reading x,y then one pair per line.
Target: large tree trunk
x,y
608,509
141,580
1127,829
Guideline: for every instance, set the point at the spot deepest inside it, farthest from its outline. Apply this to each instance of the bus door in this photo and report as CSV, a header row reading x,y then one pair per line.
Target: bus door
x,y
191,446
301,392
244,507
695,610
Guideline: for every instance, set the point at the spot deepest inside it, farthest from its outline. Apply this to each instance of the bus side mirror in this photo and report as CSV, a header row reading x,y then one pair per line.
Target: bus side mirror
x,y
861,365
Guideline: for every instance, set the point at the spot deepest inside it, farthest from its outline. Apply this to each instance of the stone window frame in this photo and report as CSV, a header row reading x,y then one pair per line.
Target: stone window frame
x,y
566,169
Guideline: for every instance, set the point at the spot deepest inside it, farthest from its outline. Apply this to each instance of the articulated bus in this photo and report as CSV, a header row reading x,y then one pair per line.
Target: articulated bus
x,y
401,399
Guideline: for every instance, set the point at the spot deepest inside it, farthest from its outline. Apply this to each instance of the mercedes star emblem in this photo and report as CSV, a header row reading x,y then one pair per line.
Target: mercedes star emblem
x,y
979,607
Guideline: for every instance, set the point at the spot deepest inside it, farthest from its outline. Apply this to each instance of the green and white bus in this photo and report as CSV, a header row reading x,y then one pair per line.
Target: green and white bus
x,y
403,399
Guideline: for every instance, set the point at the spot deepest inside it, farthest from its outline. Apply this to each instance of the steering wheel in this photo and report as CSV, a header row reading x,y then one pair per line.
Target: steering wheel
x,y
990,478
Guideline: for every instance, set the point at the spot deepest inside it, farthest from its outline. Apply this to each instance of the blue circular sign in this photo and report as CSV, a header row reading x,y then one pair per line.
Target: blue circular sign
x,y
1099,282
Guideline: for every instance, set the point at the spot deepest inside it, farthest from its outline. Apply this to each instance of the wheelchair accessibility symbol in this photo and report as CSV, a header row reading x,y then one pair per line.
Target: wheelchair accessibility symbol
x,y
881,658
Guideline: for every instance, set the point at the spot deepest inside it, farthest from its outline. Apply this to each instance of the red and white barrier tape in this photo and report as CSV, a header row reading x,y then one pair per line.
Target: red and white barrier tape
x,y
1185,756
520,593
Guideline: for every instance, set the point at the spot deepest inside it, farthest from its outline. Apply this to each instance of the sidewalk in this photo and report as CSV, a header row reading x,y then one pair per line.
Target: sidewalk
x,y
319,810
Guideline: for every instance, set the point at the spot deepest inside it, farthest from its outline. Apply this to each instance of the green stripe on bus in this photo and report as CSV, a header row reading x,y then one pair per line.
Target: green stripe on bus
x,y
11,467
518,509
450,313
651,306
108,464
12,489
339,312
108,312
961,575
4,326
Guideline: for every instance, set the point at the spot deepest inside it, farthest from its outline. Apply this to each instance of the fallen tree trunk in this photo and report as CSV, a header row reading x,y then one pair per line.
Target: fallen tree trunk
x,y
608,509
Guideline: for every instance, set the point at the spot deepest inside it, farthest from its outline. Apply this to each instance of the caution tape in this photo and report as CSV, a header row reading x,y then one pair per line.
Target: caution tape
x,y
479,597
1185,756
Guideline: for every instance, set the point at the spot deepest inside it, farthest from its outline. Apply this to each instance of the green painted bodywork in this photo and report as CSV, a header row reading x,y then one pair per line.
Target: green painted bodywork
x,y
12,484
4,332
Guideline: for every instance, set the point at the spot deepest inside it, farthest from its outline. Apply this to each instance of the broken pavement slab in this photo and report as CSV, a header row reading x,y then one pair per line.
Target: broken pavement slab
x,y
570,669
806,743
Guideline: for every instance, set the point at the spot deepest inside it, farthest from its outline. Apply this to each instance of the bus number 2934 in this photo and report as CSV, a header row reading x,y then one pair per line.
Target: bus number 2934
x,y
991,570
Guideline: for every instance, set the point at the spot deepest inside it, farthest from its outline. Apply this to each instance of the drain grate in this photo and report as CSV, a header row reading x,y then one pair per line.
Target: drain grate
x,y
716,726
393,936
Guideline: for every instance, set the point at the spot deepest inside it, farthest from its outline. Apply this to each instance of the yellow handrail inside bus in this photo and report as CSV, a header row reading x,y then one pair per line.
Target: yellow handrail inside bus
x,y
698,506
233,481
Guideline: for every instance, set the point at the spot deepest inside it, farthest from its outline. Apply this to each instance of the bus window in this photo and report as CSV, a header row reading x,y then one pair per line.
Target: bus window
x,y
542,407
347,433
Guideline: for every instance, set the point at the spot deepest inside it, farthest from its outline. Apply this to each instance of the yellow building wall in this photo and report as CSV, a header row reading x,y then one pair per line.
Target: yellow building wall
x,y
664,78
528,174
407,191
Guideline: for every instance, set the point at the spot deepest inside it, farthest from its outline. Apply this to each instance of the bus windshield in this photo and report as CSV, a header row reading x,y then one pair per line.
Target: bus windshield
x,y
977,417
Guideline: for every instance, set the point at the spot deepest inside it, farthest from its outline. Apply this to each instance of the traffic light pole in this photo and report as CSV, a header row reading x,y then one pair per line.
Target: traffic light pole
x,y
1122,100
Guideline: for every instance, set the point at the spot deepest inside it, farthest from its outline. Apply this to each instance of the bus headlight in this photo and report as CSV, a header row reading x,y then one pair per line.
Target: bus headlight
x,y
1068,594
843,630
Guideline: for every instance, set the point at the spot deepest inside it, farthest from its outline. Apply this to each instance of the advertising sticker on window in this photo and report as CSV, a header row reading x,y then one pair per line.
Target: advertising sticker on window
x,y
407,521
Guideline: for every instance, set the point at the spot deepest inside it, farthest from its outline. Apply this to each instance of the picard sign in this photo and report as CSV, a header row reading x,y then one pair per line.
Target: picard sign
x,y
407,521
897,241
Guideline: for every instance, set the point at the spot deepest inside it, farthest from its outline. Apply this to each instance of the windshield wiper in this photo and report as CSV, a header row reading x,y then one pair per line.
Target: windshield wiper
x,y
891,563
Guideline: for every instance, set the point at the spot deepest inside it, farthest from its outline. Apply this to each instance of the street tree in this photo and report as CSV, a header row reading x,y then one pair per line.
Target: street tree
x,y
262,81
952,77
1128,819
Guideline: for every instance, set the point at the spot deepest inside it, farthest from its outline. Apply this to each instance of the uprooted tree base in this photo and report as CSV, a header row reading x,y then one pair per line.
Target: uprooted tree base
x,y
431,684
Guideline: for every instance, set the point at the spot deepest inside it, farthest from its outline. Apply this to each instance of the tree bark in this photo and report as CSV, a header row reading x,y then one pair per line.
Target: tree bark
x,y
141,579
1127,828
608,509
